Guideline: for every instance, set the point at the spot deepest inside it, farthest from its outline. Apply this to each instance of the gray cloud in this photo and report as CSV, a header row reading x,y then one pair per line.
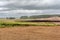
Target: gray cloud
x,y
31,4
29,7
34,4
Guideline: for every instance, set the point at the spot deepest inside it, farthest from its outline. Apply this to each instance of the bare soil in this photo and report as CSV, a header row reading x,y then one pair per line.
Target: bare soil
x,y
30,33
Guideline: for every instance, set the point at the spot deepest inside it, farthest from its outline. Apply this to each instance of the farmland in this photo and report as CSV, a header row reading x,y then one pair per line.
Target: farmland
x,y
30,33
18,22
17,29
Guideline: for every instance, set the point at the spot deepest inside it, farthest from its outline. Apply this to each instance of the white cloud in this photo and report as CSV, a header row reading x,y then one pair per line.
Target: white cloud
x,y
24,11
3,3
2,8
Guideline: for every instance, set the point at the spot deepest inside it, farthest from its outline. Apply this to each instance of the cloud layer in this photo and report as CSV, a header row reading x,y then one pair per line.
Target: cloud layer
x,y
18,8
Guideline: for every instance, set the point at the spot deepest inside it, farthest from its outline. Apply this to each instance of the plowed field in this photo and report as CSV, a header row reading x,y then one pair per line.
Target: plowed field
x,y
30,33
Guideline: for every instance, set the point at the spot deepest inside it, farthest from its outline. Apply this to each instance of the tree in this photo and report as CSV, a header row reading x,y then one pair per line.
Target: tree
x,y
24,17
10,18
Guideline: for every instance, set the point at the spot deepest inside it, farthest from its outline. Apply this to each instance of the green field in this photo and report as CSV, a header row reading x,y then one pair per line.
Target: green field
x,y
13,23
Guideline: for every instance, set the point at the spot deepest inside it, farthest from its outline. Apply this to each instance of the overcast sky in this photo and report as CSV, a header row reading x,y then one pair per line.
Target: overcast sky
x,y
19,8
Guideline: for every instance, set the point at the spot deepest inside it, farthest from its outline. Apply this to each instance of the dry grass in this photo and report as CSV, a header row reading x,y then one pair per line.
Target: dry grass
x,y
30,33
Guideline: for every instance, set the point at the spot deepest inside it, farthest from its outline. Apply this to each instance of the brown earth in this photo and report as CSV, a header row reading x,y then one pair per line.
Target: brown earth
x,y
30,33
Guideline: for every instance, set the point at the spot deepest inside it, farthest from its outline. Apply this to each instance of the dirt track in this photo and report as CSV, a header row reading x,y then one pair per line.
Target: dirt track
x,y
30,33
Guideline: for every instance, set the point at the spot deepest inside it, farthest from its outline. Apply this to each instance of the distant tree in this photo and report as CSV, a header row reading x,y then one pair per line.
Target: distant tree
x,y
23,17
10,18
33,17
41,16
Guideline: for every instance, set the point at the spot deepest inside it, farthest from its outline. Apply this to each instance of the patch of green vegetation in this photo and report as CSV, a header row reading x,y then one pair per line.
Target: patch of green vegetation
x,y
10,23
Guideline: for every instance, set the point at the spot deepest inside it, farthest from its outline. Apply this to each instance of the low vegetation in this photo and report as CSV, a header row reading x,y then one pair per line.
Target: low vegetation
x,y
13,23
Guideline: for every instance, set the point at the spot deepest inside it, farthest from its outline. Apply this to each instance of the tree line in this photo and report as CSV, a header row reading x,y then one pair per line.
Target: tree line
x,y
38,16
34,16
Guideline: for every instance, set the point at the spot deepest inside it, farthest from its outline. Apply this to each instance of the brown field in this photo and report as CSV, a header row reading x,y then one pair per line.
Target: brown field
x,y
30,33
